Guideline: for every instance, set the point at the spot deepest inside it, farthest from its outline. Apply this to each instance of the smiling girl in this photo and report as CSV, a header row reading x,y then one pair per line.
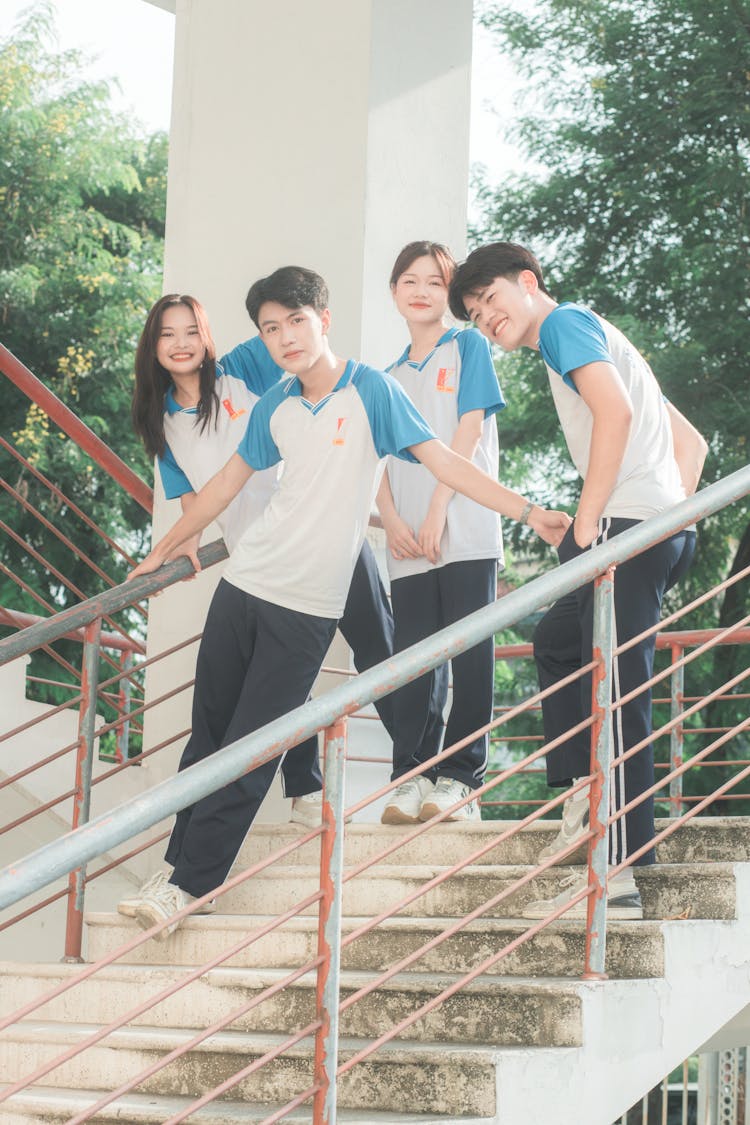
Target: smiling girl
x,y
443,547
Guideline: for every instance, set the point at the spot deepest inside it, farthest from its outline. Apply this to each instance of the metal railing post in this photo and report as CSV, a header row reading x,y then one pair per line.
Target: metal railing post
x,y
329,925
601,758
122,734
82,797
677,734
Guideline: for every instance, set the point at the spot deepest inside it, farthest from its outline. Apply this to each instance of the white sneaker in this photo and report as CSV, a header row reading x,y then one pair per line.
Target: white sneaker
x,y
127,906
406,801
623,898
161,903
448,792
575,825
308,809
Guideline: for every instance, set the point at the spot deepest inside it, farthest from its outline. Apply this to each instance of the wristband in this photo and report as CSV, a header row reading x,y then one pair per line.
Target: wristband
x,y
525,512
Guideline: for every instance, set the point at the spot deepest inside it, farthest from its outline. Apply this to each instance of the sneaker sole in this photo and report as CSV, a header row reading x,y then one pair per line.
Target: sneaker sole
x,y
578,913
128,911
429,810
147,918
310,823
304,823
393,815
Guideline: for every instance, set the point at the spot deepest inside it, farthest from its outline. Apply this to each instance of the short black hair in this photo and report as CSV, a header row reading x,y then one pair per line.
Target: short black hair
x,y
496,259
291,286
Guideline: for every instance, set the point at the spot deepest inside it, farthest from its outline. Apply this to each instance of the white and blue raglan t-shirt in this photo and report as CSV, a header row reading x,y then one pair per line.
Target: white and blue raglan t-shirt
x,y
301,552
194,456
649,479
457,376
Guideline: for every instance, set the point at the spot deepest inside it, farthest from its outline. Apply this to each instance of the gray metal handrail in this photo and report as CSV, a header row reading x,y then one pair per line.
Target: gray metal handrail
x,y
113,827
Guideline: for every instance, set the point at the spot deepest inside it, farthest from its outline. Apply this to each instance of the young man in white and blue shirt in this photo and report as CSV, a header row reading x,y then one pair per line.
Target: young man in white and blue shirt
x,y
274,612
193,455
637,456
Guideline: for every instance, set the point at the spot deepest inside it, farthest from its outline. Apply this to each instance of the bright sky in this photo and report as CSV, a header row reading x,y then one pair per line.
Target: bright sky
x,y
132,41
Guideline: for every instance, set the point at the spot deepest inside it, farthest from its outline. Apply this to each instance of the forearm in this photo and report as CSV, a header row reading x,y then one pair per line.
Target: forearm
x,y
460,475
384,499
464,443
690,449
609,440
201,508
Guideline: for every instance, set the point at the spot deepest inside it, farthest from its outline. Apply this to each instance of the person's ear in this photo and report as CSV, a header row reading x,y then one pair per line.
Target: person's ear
x,y
527,279
325,319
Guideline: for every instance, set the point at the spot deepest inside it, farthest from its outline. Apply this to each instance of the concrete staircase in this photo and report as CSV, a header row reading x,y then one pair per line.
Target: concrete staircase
x,y
526,1044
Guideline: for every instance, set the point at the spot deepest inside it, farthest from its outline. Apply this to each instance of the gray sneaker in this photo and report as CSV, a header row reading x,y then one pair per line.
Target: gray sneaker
x,y
406,800
127,906
448,792
574,826
623,899
164,900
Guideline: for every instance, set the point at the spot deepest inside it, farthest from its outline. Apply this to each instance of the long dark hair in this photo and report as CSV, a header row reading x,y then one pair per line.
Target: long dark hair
x,y
152,381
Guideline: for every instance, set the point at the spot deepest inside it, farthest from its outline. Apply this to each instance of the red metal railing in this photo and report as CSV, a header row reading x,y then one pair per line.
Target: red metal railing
x,y
686,648
404,842
72,425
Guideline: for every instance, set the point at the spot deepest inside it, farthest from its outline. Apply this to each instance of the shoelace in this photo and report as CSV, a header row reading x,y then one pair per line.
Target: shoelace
x,y
169,897
153,883
570,880
444,783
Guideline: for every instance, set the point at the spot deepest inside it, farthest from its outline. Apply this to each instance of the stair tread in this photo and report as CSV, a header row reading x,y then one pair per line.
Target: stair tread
x,y
307,923
491,870
408,980
249,1042
153,1109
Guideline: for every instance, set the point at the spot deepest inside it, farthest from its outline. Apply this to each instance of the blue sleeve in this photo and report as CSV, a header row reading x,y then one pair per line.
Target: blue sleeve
x,y
395,422
478,388
172,477
570,337
252,363
257,447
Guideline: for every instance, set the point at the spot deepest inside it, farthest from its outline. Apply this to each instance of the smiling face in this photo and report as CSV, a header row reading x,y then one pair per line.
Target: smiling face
x,y
421,293
179,348
507,311
295,338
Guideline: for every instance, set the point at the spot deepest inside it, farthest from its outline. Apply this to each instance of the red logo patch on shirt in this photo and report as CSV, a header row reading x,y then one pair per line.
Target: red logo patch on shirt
x,y
227,404
340,431
446,379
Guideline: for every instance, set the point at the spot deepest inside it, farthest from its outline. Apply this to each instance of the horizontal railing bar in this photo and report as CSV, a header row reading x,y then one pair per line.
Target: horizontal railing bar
x,y
226,765
109,640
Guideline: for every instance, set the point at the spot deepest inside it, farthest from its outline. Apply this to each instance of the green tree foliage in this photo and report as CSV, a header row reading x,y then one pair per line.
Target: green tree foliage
x,y
82,204
636,125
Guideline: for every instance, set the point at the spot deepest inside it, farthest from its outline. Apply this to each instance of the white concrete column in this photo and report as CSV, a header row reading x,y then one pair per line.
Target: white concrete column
x,y
322,134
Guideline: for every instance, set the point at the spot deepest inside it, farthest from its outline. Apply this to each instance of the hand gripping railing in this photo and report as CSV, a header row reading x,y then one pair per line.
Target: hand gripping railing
x,y
73,850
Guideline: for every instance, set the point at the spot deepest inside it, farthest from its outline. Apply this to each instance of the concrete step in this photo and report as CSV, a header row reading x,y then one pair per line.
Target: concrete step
x,y
454,1081
499,1010
55,1106
634,949
701,840
696,890
705,890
